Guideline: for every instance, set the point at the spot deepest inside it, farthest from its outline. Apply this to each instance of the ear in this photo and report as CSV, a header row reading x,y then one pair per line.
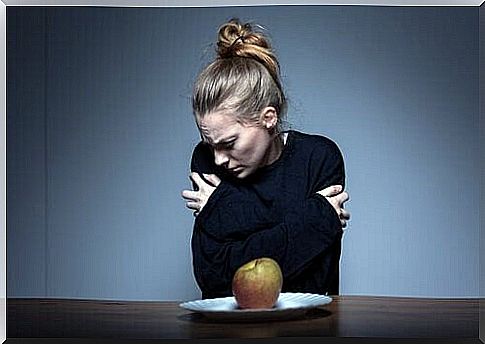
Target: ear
x,y
269,117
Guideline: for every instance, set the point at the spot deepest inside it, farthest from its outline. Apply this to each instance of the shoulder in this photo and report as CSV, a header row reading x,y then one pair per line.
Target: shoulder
x,y
202,159
325,164
317,144
200,149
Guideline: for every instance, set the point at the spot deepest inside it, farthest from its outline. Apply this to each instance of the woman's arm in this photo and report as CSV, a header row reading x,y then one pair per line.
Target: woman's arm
x,y
229,210
309,229
327,175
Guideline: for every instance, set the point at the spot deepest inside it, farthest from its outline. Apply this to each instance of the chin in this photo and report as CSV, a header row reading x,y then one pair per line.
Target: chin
x,y
241,175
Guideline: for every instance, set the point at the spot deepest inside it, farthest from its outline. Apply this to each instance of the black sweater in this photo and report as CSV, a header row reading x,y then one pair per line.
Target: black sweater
x,y
276,213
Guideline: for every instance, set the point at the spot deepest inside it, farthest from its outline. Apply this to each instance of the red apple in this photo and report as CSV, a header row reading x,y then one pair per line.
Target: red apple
x,y
257,284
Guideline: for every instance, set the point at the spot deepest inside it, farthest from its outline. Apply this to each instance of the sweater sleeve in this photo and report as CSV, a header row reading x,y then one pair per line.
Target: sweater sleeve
x,y
326,165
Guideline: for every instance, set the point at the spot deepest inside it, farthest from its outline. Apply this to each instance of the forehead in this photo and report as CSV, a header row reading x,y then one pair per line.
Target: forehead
x,y
217,126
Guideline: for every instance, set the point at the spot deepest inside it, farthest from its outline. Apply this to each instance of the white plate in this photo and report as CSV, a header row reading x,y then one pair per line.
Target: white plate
x,y
289,305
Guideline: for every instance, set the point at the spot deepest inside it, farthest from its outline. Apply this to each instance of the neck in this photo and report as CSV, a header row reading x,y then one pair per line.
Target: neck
x,y
275,149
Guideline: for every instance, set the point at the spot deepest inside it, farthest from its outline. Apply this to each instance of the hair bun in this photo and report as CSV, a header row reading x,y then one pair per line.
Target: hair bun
x,y
233,35
241,40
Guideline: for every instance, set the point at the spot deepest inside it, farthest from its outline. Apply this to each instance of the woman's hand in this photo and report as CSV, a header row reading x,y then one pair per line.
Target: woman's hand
x,y
196,200
337,198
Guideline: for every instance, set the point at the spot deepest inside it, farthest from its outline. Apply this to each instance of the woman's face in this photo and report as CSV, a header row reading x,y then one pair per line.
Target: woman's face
x,y
240,148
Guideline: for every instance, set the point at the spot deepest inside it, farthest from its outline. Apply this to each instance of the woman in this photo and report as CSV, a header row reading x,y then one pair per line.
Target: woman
x,y
260,191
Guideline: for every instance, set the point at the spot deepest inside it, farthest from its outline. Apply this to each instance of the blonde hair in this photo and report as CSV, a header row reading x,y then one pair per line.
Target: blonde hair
x,y
244,77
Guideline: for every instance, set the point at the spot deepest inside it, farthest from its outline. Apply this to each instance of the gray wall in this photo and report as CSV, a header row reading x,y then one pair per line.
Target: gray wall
x,y
100,133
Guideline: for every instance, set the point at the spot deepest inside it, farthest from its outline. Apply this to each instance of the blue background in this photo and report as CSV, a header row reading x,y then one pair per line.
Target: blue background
x,y
100,132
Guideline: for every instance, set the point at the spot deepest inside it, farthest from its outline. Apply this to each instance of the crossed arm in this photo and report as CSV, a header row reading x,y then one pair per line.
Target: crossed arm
x,y
196,200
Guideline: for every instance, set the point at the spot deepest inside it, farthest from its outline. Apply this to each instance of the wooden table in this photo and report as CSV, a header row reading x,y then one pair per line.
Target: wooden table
x,y
346,316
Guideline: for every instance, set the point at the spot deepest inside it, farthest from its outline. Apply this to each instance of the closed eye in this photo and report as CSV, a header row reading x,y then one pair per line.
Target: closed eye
x,y
228,145
225,145
221,145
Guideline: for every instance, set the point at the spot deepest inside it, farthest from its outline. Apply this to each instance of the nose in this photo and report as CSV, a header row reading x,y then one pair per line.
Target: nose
x,y
220,158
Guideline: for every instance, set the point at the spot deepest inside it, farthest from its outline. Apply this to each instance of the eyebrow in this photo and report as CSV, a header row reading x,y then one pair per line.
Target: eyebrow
x,y
220,142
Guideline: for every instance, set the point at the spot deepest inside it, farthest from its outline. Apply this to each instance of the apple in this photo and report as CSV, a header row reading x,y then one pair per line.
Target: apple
x,y
257,284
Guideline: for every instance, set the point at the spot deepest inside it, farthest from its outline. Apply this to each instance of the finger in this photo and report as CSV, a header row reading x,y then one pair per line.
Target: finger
x,y
342,198
345,196
345,214
214,179
344,223
331,190
190,195
193,205
197,179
